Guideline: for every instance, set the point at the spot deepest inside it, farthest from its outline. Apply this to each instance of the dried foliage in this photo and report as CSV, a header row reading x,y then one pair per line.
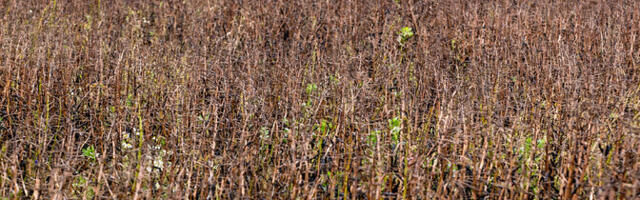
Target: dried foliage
x,y
361,99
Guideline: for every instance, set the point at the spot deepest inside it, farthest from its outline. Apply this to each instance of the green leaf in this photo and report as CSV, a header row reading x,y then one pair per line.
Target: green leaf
x,y
373,137
404,34
311,87
395,128
542,143
89,152
395,122
265,133
130,100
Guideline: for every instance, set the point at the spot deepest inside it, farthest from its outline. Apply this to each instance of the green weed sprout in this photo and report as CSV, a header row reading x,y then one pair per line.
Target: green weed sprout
x,y
311,87
89,152
404,35
324,127
395,127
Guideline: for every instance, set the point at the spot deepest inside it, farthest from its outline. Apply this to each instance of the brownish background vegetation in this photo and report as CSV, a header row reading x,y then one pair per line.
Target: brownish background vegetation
x,y
317,99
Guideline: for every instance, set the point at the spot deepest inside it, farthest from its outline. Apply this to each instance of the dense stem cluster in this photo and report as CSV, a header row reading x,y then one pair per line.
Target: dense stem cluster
x,y
364,99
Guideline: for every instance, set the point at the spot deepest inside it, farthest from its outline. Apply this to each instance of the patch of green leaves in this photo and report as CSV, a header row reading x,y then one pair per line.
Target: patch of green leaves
x,y
79,185
130,100
372,138
404,35
324,127
311,87
89,152
395,126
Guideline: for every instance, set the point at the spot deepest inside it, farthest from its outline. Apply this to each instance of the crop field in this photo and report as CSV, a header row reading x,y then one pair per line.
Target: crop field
x,y
319,99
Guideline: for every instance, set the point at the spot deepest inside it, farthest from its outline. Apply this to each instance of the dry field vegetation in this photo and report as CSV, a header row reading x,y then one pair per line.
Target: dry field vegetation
x,y
319,99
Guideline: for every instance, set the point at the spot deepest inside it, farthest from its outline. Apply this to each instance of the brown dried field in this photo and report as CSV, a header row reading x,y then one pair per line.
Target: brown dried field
x,y
312,99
